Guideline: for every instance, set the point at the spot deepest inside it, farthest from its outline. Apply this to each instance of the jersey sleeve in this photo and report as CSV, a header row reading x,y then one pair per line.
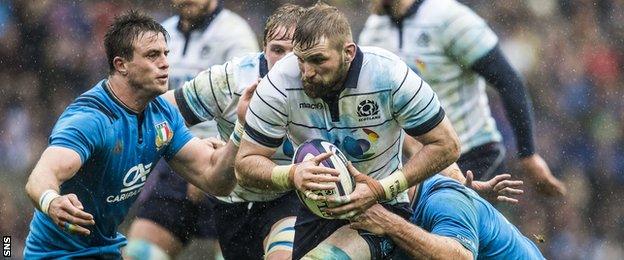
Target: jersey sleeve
x,y
206,96
266,118
83,132
414,104
466,36
181,133
452,214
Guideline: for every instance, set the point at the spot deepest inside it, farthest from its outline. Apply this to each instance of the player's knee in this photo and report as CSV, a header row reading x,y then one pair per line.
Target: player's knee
x,y
139,249
326,251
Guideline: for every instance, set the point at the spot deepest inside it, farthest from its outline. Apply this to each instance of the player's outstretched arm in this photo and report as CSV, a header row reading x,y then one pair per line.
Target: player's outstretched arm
x,y
415,241
57,165
208,167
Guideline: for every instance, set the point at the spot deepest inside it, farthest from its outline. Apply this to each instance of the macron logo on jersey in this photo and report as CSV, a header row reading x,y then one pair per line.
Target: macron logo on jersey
x,y
133,181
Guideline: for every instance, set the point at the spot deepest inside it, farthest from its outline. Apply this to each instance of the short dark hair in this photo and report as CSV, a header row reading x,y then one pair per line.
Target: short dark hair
x,y
125,29
287,16
321,20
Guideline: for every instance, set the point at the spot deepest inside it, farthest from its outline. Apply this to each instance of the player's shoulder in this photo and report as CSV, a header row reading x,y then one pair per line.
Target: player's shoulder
x,y
231,22
171,23
376,21
92,105
372,52
286,70
443,11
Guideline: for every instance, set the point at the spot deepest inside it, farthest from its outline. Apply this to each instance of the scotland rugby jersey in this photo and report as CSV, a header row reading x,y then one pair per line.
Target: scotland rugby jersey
x,y
441,39
381,97
118,149
223,36
214,95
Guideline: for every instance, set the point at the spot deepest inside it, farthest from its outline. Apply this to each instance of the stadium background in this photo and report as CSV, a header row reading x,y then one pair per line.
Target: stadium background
x,y
51,51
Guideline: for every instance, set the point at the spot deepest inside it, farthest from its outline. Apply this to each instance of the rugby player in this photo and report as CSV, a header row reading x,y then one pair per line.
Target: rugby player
x,y
250,224
363,99
454,50
449,222
172,211
105,144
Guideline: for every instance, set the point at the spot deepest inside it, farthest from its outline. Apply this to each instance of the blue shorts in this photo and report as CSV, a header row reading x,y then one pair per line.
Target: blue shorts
x,y
164,202
311,230
242,227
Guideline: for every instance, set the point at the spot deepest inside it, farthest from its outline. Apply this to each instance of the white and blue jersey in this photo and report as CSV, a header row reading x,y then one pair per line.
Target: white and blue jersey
x,y
381,98
118,149
441,40
221,36
444,207
214,95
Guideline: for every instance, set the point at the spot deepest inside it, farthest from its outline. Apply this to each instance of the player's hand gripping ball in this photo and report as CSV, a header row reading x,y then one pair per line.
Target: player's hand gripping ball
x,y
337,161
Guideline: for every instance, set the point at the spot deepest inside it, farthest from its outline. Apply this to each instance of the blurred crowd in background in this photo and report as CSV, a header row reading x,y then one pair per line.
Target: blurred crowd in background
x,y
570,53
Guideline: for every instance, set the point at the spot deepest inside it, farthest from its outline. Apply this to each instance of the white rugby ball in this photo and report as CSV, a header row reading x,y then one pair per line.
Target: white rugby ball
x,y
338,161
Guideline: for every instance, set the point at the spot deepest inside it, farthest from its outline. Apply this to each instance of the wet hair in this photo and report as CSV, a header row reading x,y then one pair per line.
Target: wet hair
x,y
322,20
285,16
126,28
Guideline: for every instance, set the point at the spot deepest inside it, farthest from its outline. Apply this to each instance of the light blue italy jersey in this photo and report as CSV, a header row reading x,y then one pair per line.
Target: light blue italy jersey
x,y
118,149
445,207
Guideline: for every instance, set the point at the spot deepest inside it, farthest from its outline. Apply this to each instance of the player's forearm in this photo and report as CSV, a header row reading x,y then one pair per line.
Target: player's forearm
x,y
431,159
219,176
255,171
420,244
40,180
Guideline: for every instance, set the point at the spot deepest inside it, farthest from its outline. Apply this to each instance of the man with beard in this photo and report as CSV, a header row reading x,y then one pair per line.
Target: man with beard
x,y
173,211
363,100
457,52
250,224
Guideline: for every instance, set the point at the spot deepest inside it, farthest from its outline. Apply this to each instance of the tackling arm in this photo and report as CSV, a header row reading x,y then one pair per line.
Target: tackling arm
x,y
415,241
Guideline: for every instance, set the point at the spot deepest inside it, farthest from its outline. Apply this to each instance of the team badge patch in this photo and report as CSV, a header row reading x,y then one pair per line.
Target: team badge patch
x,y
164,134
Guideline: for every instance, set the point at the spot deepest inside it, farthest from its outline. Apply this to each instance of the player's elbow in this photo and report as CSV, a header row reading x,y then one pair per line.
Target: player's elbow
x,y
453,147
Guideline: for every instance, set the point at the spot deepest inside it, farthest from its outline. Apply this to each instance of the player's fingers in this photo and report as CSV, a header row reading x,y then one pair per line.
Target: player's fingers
x,y
75,229
510,191
323,170
310,195
78,213
322,157
502,177
67,217
75,201
469,178
507,183
340,199
352,170
317,186
507,199
348,215
318,178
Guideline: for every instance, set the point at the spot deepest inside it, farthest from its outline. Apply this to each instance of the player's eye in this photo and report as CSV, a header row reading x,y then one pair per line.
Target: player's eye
x,y
278,50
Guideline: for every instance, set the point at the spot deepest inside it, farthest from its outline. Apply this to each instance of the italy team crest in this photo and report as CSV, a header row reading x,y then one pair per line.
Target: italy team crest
x,y
164,134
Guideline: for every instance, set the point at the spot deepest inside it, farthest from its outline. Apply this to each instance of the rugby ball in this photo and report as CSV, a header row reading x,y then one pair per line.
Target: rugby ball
x,y
338,161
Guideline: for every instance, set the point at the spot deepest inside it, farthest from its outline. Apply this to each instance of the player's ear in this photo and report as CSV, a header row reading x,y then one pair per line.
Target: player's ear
x,y
350,49
120,65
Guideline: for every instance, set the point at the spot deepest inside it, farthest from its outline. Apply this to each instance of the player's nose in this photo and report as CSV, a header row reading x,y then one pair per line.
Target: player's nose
x,y
308,71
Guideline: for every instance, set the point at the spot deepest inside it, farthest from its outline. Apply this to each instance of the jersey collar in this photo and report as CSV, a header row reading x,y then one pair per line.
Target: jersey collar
x,y
354,70
206,20
264,66
410,11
